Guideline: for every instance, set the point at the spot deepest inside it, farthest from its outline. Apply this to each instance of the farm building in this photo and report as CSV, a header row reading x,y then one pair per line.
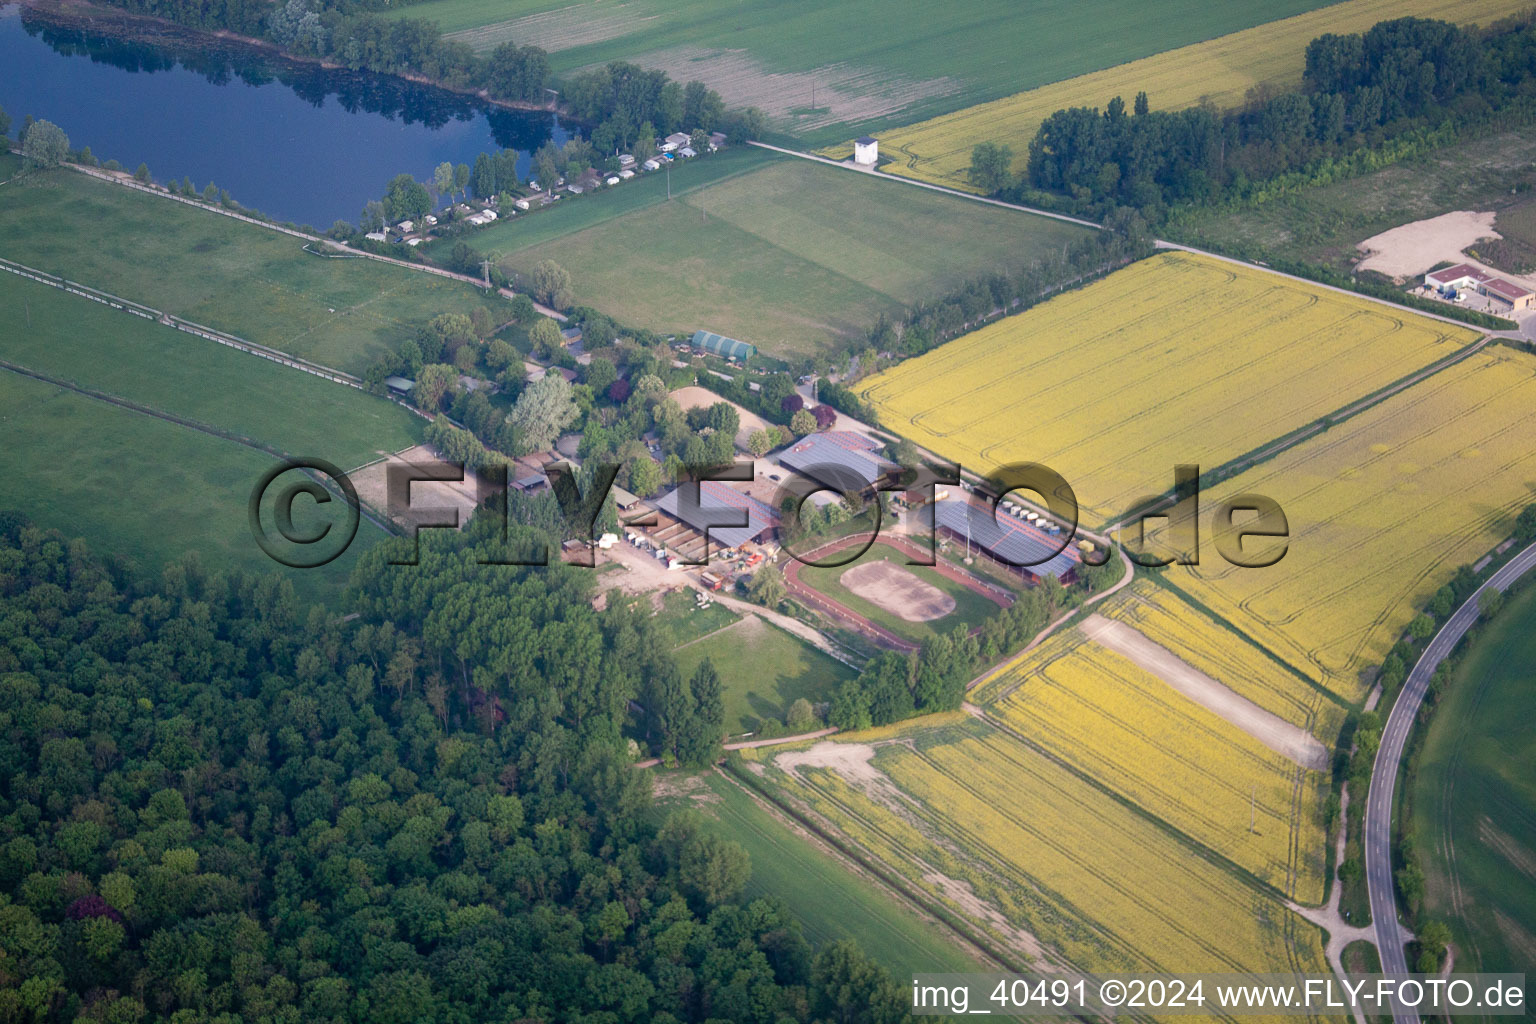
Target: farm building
x,y
622,498
401,386
840,459
1006,541
719,345
1507,293
1466,277
527,482
866,150
720,509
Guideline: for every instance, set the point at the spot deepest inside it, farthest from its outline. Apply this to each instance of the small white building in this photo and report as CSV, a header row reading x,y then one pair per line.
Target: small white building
x,y
612,179
376,236
651,165
626,160
626,174
523,203
686,152
430,221
866,151
406,226
677,140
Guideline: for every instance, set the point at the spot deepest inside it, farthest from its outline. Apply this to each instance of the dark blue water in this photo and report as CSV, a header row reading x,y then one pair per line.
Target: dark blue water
x,y
295,142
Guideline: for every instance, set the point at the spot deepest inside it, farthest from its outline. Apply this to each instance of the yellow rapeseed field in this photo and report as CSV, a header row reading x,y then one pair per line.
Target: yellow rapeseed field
x,y
1219,71
1382,509
1179,358
1232,660
1126,728
1044,861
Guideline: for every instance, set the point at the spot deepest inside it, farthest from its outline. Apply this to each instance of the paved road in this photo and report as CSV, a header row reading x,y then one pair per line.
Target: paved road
x,y
1378,809
844,165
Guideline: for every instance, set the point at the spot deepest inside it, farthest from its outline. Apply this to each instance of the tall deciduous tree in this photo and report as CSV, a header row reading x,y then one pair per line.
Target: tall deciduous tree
x,y
543,410
991,167
44,145
551,284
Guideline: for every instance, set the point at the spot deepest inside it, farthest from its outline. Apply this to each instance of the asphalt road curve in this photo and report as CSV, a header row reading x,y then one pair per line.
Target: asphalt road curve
x,y
1378,810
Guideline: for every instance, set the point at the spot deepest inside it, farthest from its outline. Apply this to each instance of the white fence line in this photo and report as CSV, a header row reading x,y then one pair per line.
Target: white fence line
x,y
171,320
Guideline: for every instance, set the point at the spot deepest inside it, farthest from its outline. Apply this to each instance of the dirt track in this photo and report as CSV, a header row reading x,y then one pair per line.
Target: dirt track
x,y
1271,730
895,589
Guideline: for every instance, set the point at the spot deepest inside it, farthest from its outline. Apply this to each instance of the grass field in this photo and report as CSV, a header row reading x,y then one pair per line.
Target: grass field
x,y
71,338
1324,224
1228,657
237,277
970,607
1382,509
763,670
831,899
1219,70
683,620
139,487
1474,798
1043,861
786,254
871,64
1177,359
1132,732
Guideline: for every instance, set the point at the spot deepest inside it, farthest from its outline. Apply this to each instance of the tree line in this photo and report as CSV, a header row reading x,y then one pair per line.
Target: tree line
x,y
619,99
1358,92
221,805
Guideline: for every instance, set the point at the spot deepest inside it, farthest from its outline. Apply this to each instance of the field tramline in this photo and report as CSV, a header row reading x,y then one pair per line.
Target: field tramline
x,y
1179,358
1382,510
1096,710
1039,858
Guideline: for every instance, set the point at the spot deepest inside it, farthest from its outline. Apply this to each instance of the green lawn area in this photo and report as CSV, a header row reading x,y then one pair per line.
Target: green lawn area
x,y
1474,797
140,488
831,899
683,620
970,607
873,63
763,670
1324,224
238,277
786,254
74,339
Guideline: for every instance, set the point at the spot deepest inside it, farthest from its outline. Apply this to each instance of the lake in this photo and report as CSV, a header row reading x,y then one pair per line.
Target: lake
x,y
299,143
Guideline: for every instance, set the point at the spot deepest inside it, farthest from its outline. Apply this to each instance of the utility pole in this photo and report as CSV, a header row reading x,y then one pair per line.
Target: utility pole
x,y
669,181
1253,810
485,269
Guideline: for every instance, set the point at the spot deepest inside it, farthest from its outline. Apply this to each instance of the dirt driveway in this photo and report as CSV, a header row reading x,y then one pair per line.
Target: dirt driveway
x,y
1271,730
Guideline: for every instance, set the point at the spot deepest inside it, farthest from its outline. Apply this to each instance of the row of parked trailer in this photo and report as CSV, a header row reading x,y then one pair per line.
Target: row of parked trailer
x,y
1033,518
643,543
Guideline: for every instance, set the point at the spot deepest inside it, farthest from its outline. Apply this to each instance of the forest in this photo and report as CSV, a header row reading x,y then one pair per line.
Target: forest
x,y
220,805
1358,92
